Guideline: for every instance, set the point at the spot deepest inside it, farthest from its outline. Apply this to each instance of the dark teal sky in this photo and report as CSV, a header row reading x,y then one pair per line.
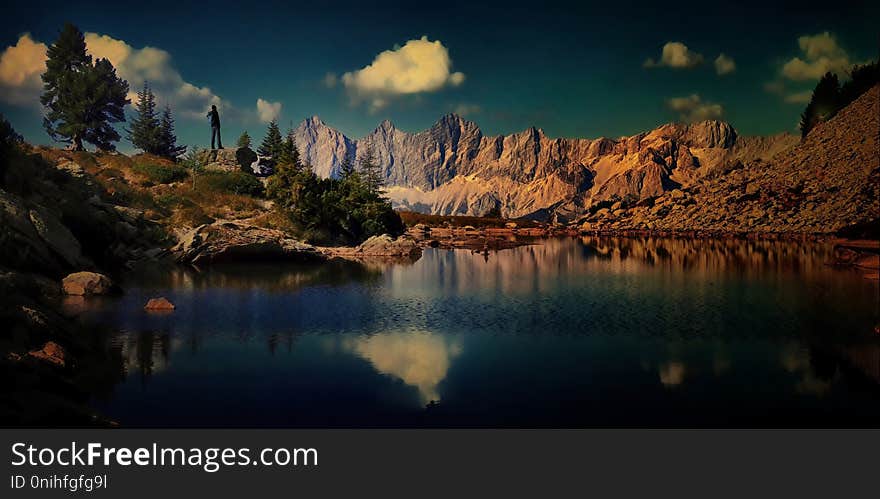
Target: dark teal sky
x,y
571,70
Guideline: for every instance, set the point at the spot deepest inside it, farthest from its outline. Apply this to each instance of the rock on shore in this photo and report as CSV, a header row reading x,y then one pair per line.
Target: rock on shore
x,y
86,283
236,242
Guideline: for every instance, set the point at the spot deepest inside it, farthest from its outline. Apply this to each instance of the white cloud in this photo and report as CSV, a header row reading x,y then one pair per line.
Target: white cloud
x,y
467,109
154,65
418,66
22,64
268,111
692,108
821,54
799,97
724,65
676,55
20,68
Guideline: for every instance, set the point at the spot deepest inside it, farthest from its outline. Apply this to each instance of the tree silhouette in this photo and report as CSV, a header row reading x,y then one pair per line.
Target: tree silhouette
x,y
82,99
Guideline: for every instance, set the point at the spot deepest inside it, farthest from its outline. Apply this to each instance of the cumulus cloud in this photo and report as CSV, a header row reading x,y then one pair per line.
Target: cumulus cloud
x,y
22,64
820,54
154,65
467,109
418,66
799,97
724,65
268,111
692,108
676,55
20,68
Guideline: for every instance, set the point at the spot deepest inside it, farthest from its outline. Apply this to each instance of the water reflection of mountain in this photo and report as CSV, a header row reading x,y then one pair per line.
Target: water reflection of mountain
x,y
270,277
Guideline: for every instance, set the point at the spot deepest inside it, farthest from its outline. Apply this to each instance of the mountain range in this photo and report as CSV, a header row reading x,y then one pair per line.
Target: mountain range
x,y
453,168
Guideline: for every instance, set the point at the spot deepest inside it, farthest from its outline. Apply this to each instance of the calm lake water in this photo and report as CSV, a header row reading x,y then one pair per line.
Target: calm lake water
x,y
568,333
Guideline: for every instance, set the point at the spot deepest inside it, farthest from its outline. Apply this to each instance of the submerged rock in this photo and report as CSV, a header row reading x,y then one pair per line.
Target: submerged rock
x,y
86,284
52,353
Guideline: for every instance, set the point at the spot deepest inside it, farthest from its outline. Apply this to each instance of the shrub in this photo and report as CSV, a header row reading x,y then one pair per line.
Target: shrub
x,y
161,174
244,156
234,182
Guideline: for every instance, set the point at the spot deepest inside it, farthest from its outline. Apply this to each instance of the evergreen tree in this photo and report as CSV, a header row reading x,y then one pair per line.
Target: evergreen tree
x,y
347,169
289,152
371,172
272,142
823,104
82,99
244,141
145,130
167,139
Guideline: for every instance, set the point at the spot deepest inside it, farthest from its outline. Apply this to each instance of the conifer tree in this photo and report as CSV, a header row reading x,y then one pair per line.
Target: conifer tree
x,y
244,141
145,129
82,99
346,168
272,142
371,172
289,152
167,139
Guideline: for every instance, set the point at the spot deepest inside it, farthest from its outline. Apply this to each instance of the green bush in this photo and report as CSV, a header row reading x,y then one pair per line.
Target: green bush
x,y
161,174
245,156
234,182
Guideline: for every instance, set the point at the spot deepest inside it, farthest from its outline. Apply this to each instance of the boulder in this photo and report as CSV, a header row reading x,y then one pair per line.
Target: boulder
x,y
86,284
236,242
385,245
160,303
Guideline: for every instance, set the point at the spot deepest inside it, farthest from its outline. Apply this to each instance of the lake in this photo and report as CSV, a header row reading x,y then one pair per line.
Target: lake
x,y
571,332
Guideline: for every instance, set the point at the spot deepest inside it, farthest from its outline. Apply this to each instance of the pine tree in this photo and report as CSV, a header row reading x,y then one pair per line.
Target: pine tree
x,y
272,142
371,172
82,99
167,139
346,168
289,152
823,104
145,130
244,141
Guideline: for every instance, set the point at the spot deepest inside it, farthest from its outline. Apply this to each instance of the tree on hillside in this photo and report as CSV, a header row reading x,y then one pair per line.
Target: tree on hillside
x,y
289,153
144,130
244,141
272,142
830,96
168,146
83,100
371,172
347,169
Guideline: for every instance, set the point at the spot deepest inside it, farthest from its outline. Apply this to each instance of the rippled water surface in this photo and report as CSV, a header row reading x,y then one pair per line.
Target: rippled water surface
x,y
571,332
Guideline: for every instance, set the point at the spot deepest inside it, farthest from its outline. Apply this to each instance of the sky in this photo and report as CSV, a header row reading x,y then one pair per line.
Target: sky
x,y
581,70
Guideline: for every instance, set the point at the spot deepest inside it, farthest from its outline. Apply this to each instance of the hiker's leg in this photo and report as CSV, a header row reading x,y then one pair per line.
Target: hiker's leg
x,y
219,140
213,133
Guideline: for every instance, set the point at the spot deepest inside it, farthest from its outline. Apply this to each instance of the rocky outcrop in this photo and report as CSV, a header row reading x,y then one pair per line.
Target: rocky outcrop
x,y
403,247
234,242
219,159
828,182
87,284
52,353
34,238
453,169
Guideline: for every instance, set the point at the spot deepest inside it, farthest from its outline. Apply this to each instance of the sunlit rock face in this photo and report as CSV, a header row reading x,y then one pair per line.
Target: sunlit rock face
x,y
419,359
454,169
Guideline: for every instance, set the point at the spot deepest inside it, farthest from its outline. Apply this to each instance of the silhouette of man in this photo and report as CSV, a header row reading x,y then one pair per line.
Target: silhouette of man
x,y
215,127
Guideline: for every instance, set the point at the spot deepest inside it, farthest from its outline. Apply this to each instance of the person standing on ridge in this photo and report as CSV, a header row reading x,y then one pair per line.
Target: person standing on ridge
x,y
215,127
